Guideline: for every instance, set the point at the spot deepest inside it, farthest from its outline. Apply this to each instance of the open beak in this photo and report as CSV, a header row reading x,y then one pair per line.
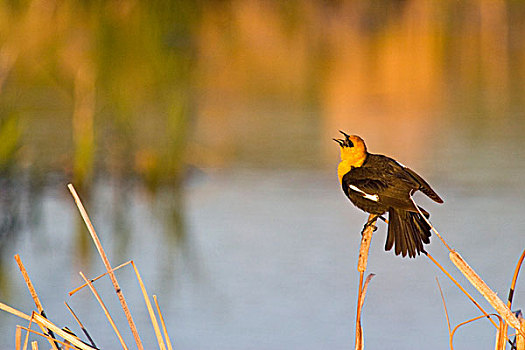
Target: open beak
x,y
339,141
345,134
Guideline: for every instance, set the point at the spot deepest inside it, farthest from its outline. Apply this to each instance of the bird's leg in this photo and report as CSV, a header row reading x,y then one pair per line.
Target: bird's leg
x,y
383,218
371,222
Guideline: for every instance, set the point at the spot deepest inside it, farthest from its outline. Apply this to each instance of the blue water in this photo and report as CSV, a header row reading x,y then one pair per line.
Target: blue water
x,y
268,261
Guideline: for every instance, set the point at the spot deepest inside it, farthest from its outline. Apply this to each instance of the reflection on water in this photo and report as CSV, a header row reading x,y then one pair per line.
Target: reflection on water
x,y
269,261
199,137
97,87
136,89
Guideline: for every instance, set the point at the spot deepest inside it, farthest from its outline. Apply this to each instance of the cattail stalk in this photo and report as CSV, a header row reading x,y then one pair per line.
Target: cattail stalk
x,y
484,289
366,239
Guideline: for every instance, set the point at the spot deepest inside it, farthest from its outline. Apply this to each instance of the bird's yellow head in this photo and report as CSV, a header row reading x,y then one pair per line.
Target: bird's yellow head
x,y
353,153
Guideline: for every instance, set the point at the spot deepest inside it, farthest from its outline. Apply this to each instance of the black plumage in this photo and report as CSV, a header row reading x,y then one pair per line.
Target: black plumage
x,y
381,185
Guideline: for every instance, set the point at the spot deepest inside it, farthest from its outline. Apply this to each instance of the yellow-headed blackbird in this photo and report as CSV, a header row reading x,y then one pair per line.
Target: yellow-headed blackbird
x,y
378,184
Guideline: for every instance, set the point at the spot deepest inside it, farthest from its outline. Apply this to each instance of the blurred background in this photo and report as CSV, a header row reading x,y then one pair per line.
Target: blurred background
x,y
199,136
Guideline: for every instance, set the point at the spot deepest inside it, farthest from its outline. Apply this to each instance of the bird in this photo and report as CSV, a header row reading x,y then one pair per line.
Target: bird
x,y
378,184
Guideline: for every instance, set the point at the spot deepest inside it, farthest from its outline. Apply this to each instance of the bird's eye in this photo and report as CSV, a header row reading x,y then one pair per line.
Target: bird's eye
x,y
350,143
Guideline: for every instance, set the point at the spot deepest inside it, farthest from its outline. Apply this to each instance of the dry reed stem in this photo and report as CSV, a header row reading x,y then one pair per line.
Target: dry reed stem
x,y
475,280
445,307
361,343
164,329
461,288
359,337
365,288
362,262
98,277
515,279
80,325
520,339
158,334
30,285
105,260
18,337
513,283
66,336
34,295
34,345
501,336
69,331
106,312
484,289
451,252
67,345
26,340
14,311
466,322
366,239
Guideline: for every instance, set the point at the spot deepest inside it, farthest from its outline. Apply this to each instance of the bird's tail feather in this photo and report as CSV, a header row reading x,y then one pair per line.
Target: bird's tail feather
x,y
407,231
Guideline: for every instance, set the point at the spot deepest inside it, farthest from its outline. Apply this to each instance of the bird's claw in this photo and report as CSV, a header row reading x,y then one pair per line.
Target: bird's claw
x,y
369,223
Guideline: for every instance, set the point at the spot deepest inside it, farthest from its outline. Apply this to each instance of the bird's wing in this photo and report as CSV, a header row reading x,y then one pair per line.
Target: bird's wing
x,y
363,181
423,185
382,185
409,177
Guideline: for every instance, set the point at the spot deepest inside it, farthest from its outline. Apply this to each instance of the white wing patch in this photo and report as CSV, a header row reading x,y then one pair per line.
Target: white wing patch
x,y
372,197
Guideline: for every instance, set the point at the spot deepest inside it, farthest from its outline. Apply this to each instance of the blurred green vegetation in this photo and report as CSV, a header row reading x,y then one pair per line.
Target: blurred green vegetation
x,y
122,87
101,86
10,136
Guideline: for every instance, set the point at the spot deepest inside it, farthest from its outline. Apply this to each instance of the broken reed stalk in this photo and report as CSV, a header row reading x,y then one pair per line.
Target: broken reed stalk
x,y
63,343
158,334
106,312
14,311
361,344
362,262
476,281
515,279
484,289
34,295
105,260
34,345
466,322
81,325
366,239
18,337
32,319
451,333
501,335
445,307
30,286
164,329
70,338
470,297
26,340
513,286
98,277
520,338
